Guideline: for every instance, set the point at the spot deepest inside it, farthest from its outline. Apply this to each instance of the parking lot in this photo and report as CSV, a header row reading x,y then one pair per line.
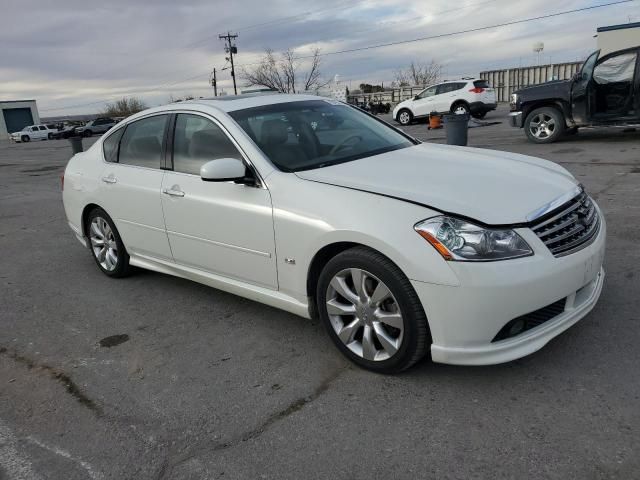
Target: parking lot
x,y
155,377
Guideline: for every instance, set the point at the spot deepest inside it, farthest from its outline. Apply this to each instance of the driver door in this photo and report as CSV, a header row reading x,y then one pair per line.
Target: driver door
x,y
580,95
223,228
424,104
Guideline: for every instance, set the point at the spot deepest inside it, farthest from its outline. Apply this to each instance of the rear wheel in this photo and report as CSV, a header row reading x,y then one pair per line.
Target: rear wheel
x,y
50,136
460,108
106,245
544,125
404,117
479,115
371,311
88,133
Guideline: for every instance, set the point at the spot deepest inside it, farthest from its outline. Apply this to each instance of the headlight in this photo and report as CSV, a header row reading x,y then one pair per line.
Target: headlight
x,y
457,239
514,98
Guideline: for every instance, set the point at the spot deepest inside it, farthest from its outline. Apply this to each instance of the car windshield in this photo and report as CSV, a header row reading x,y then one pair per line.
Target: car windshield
x,y
312,134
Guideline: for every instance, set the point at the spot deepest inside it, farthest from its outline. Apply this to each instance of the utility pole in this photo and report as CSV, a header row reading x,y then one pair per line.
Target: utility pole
x,y
231,50
214,83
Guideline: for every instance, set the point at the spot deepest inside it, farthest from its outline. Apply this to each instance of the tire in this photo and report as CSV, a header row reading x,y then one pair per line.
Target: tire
x,y
100,226
384,346
50,136
25,138
479,115
87,133
460,108
404,117
544,125
571,131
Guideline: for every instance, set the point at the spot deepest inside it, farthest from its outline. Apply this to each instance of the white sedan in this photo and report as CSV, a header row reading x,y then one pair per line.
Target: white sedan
x,y
314,207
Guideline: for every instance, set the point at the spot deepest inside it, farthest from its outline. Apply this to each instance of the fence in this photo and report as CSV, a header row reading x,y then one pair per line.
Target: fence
x,y
506,81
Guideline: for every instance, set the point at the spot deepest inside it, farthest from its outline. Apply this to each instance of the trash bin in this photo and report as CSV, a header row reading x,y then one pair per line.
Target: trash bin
x,y
76,144
456,128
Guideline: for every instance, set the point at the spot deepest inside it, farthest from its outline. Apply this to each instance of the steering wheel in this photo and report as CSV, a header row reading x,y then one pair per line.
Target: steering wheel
x,y
336,148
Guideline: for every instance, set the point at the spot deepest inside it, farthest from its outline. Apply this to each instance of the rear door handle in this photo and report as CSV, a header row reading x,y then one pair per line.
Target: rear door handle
x,y
173,192
109,179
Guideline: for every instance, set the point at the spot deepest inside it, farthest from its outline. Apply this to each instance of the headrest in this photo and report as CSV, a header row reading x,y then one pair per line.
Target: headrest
x,y
274,132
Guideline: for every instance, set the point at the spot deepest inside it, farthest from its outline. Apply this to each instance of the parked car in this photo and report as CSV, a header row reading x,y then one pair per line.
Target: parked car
x,y
65,130
33,132
604,92
474,96
99,125
315,207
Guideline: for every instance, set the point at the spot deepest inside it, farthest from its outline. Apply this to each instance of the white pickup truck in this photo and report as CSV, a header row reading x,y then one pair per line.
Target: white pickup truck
x,y
33,132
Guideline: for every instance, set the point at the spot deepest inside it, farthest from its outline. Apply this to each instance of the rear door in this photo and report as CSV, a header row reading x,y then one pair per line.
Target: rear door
x,y
447,94
221,227
43,132
131,182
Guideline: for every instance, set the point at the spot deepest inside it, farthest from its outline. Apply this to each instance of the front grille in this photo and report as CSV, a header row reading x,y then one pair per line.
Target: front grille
x,y
530,320
569,228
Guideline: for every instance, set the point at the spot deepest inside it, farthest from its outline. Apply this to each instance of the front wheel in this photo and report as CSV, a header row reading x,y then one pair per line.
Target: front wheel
x,y
544,125
106,245
405,117
25,138
371,311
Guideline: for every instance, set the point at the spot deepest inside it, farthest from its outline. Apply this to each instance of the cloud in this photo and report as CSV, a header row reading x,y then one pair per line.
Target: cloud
x,y
71,53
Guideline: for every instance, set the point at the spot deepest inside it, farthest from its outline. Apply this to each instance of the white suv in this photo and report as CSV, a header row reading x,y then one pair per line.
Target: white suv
x,y
33,132
472,96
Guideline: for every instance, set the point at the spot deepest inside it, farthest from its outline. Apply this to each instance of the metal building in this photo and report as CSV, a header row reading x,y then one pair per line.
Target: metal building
x,y
16,114
618,37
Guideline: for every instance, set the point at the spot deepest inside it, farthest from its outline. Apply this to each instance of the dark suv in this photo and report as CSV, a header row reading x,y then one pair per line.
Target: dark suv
x,y
606,91
99,125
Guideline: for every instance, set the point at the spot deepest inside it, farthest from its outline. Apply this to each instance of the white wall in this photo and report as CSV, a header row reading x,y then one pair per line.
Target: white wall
x,y
612,40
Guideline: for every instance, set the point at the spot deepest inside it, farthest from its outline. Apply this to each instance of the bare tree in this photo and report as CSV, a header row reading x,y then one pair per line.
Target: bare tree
x,y
124,107
419,74
283,73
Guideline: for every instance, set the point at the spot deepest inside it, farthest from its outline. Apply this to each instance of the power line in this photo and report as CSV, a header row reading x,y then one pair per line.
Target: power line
x,y
400,42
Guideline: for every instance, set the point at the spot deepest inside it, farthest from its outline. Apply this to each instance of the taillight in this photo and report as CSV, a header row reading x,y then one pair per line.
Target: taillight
x,y
477,90
62,181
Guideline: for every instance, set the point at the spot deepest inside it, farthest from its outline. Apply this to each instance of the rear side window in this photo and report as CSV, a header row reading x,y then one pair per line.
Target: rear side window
x,y
197,140
141,143
42,127
449,87
481,84
110,146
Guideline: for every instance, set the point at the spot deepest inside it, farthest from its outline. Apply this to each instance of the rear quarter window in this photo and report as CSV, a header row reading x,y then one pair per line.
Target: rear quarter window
x,y
481,84
110,146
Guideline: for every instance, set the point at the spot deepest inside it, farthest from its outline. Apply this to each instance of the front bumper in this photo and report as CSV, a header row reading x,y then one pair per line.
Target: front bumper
x,y
515,119
465,319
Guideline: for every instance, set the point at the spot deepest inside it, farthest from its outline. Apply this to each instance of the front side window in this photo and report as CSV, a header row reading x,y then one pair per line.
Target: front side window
x,y
197,140
34,129
110,146
616,69
141,143
317,133
429,92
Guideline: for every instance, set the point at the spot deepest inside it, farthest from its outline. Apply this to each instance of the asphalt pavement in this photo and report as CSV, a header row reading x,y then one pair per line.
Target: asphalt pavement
x,y
155,377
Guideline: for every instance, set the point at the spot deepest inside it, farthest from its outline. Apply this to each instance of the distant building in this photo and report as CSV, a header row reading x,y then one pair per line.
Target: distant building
x,y
15,115
618,37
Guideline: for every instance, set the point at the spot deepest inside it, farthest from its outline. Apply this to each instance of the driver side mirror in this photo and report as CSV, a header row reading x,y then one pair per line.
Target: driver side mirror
x,y
417,97
223,170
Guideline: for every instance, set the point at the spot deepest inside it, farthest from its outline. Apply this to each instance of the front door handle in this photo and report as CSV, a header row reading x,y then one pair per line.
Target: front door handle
x,y
173,191
109,179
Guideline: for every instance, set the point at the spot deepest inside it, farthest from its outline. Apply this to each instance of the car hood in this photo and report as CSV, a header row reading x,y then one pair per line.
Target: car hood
x,y
495,188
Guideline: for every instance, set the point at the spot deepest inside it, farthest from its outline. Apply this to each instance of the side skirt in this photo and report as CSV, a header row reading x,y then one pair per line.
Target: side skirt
x,y
252,292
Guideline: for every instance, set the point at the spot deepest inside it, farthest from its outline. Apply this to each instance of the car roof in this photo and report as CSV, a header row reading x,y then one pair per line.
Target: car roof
x,y
232,103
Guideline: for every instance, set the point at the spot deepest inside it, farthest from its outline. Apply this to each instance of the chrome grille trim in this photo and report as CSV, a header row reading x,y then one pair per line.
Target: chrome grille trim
x,y
571,227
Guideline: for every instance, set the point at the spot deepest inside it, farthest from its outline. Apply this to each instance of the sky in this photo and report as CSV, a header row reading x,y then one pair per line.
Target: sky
x,y
73,56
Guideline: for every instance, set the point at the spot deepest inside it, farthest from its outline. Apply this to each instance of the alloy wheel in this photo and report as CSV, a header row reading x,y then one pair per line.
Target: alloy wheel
x,y
404,118
103,244
542,126
364,314
460,110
